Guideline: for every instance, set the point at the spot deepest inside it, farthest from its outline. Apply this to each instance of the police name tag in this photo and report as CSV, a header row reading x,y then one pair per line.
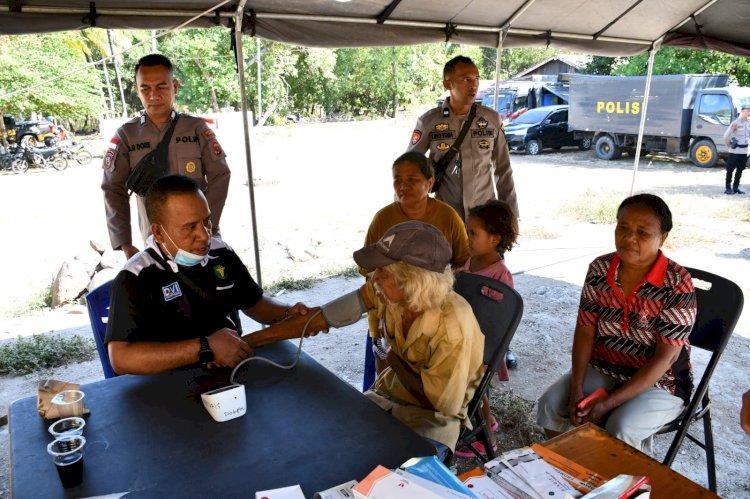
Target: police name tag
x,y
171,291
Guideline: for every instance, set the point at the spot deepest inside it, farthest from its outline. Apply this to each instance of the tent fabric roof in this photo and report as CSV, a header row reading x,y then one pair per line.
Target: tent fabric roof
x,y
605,27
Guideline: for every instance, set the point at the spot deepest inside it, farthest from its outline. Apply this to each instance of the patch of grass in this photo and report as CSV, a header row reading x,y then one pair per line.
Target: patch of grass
x,y
734,211
597,208
517,427
688,237
291,284
348,272
28,355
40,301
538,233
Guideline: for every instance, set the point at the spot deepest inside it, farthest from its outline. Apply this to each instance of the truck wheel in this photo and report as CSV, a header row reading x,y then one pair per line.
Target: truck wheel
x,y
703,154
607,149
533,147
585,144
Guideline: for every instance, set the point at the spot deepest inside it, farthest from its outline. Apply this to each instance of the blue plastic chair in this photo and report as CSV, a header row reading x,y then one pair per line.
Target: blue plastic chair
x,y
97,302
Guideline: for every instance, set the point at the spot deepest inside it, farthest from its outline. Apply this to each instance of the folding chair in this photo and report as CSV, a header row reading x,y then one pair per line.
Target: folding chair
x,y
719,307
498,320
97,303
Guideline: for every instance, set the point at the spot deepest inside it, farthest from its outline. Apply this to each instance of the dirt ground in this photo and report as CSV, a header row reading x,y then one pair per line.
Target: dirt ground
x,y
317,187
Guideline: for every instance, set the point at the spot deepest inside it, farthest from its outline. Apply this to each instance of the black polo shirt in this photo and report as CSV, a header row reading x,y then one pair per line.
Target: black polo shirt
x,y
148,302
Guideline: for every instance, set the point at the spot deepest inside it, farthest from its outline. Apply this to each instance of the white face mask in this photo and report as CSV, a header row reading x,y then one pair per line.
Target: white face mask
x,y
183,257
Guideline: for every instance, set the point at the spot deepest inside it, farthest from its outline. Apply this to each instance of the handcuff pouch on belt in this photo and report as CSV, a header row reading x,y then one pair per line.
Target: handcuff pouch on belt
x,y
152,166
441,165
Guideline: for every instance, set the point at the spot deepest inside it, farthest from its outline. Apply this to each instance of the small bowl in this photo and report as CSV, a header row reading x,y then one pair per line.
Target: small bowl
x,y
67,427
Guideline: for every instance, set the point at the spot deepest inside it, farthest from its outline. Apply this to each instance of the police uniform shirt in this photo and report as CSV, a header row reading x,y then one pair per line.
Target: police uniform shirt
x,y
482,165
148,302
194,151
742,133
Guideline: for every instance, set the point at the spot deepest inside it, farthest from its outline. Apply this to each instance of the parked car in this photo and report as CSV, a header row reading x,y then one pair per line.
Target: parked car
x,y
542,128
31,133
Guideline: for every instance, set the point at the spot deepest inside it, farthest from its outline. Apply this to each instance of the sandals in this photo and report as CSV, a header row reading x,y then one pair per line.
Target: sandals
x,y
466,453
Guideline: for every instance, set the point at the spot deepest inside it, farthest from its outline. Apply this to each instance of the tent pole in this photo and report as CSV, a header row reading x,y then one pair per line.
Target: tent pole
x,y
644,109
500,39
245,125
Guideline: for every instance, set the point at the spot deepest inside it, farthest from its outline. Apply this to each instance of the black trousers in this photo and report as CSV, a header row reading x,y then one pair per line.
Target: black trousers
x,y
735,162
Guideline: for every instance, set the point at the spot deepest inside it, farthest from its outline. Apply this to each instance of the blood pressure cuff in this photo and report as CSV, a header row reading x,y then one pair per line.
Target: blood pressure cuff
x,y
344,310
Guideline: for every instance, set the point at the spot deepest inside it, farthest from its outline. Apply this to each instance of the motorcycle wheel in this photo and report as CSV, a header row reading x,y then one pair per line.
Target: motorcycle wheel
x,y
84,157
59,163
20,165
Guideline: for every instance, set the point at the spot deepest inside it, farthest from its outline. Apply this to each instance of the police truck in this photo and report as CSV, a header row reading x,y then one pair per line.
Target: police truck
x,y
686,114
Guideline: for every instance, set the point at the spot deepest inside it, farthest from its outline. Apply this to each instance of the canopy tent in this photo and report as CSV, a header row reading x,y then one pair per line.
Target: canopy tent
x,y
603,27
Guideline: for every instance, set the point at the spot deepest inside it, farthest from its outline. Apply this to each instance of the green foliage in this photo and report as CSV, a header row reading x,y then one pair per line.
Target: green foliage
x,y
42,301
27,60
291,284
599,66
348,272
597,208
28,355
670,60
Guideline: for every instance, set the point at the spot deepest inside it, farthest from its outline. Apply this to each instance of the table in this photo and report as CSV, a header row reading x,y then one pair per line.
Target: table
x,y
151,436
597,450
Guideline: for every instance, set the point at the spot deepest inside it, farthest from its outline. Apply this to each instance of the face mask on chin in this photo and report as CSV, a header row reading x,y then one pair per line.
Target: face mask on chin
x,y
183,257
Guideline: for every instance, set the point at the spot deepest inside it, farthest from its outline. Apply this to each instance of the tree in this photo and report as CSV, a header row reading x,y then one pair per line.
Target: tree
x,y
28,60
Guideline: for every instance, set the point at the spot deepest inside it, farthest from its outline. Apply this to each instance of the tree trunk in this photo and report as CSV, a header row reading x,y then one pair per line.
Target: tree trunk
x,y
209,81
109,88
117,73
395,83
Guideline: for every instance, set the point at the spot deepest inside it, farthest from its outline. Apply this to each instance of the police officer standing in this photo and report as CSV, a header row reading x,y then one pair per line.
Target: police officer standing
x,y
483,154
736,138
192,151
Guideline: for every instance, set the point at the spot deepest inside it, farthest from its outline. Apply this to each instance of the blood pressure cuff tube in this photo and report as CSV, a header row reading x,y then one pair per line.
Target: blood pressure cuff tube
x,y
344,310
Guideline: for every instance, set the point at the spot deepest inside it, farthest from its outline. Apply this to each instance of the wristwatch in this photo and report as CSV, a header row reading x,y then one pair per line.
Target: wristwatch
x,y
206,355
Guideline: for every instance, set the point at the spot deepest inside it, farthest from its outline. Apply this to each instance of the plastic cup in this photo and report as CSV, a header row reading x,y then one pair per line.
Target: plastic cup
x,y
69,403
67,454
67,427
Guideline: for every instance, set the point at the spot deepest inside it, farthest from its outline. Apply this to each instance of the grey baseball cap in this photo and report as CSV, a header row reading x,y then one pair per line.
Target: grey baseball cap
x,y
416,243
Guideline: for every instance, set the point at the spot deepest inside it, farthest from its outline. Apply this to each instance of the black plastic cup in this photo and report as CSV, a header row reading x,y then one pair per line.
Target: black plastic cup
x,y
67,454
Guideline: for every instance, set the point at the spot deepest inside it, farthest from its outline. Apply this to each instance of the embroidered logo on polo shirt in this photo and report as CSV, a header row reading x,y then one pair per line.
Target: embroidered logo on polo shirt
x,y
171,291
220,271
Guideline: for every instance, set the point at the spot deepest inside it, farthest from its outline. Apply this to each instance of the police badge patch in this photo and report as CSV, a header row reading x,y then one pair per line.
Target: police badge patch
x,y
216,148
208,133
484,144
190,167
109,155
481,122
442,146
441,127
415,136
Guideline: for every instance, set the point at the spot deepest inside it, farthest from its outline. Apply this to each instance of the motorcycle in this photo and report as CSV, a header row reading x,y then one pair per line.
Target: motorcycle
x,y
41,157
10,159
73,150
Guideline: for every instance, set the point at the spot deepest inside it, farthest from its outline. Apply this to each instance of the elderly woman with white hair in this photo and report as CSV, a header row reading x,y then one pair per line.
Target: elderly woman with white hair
x,y
435,361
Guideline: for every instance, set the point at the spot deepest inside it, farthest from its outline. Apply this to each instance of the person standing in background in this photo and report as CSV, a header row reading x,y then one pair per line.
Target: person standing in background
x,y
193,150
736,137
480,171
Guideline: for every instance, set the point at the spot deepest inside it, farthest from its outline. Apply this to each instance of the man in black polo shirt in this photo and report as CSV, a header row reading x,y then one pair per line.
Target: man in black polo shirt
x,y
170,304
